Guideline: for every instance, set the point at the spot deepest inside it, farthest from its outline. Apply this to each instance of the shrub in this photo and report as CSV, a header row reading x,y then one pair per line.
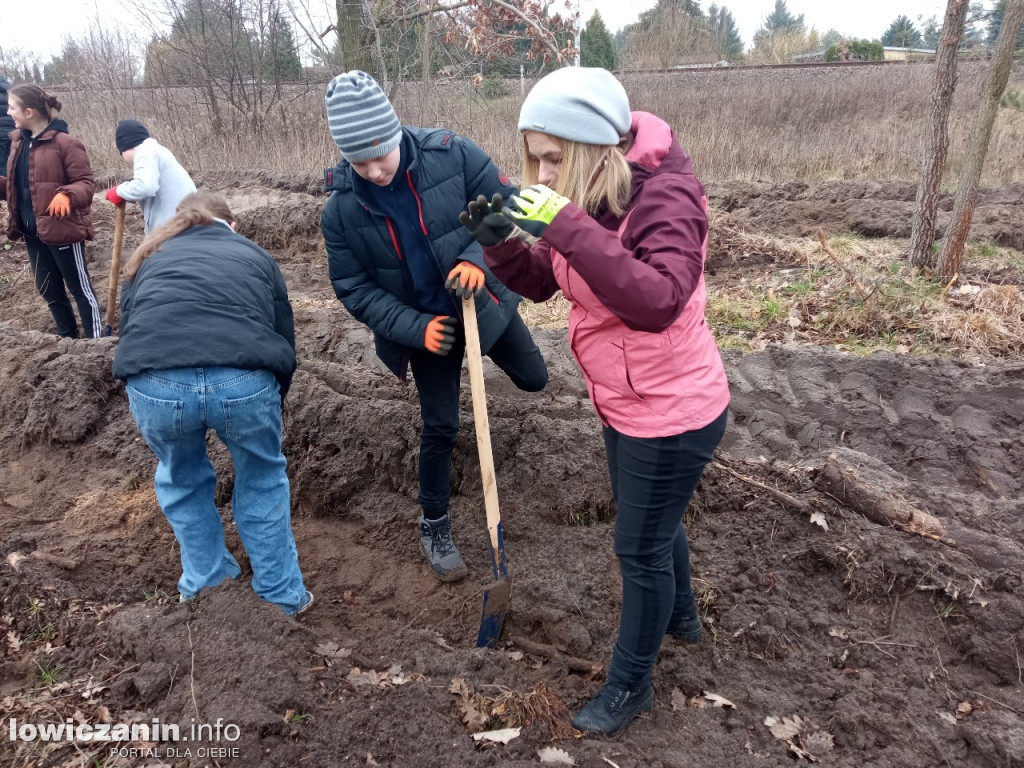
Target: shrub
x,y
855,50
494,88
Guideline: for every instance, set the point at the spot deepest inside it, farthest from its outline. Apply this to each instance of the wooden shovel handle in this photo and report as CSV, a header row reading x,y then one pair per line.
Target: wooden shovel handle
x,y
483,429
115,267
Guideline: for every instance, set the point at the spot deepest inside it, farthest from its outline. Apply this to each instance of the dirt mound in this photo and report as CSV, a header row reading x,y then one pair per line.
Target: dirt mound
x,y
868,208
869,631
858,550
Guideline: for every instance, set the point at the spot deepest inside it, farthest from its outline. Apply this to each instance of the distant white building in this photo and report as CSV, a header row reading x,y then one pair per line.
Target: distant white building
x,y
907,54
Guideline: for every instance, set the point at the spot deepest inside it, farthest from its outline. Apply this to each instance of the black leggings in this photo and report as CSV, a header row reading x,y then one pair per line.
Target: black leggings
x,y
653,480
57,266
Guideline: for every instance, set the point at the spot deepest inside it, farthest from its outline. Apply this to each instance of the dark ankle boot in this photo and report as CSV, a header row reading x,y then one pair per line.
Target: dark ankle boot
x,y
687,631
613,709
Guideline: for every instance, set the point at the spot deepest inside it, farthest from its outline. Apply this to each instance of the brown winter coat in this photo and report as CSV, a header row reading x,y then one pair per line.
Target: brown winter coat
x,y
57,163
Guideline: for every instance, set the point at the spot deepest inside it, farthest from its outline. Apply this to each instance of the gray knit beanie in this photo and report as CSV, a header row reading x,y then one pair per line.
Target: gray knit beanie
x,y
583,104
362,121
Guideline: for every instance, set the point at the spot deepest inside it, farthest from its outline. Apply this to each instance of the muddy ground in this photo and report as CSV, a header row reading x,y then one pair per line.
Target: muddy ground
x,y
874,600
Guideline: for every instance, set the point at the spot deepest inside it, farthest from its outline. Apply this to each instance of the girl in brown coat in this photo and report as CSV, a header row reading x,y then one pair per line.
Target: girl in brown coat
x,y
49,188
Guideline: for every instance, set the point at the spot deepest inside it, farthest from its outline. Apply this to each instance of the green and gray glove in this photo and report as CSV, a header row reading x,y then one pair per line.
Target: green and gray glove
x,y
535,207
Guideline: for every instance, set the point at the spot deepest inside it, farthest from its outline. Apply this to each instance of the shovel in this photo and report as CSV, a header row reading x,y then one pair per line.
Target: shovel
x,y
115,272
498,594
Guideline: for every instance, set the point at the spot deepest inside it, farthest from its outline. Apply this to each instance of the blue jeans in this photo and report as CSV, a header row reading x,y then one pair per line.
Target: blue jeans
x,y
653,480
174,408
437,380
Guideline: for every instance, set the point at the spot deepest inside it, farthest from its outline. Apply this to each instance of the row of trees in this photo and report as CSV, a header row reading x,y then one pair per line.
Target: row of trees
x,y
678,32
192,42
981,29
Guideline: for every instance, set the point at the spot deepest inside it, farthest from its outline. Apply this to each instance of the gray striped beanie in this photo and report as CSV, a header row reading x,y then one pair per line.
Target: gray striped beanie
x,y
362,121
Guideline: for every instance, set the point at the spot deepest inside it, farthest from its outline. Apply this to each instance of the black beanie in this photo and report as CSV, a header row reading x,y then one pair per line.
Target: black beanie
x,y
129,134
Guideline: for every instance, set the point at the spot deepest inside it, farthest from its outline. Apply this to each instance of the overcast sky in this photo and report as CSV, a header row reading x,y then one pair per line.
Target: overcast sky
x,y
40,26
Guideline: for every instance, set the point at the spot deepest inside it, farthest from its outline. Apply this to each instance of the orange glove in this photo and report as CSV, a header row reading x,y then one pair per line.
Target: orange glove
x,y
440,335
60,205
467,279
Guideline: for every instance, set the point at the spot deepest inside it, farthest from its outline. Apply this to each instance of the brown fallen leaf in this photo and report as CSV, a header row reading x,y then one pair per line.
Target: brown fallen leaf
x,y
555,755
678,700
787,727
819,743
501,736
802,736
718,701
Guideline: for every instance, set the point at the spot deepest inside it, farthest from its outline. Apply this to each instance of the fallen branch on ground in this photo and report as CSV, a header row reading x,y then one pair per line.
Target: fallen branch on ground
x,y
775,493
574,663
841,482
864,293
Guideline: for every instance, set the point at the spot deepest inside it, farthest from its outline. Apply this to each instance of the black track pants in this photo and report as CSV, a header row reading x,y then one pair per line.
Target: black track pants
x,y
59,270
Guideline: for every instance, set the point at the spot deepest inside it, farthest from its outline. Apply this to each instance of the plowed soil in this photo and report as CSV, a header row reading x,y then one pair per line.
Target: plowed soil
x,y
858,548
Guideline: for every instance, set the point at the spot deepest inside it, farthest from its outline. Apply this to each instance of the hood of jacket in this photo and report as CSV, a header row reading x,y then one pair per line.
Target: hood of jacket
x,y
654,150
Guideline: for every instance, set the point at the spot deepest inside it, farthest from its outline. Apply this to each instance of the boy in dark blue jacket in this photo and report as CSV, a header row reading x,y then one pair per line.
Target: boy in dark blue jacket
x,y
396,251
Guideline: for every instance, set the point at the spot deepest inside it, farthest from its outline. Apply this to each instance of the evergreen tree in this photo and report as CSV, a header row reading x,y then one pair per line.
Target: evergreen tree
x,y
830,38
782,20
280,56
975,28
207,40
596,48
902,34
724,29
995,23
931,31
781,36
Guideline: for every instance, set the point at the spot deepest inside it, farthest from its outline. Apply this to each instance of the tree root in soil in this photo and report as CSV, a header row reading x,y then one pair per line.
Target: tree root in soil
x,y
573,663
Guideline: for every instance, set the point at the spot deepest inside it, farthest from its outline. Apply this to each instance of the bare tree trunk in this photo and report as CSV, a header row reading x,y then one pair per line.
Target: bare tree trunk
x,y
351,36
922,228
970,176
428,31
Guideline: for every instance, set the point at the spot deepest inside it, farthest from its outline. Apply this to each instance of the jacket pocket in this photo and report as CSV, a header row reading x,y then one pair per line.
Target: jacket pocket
x,y
651,365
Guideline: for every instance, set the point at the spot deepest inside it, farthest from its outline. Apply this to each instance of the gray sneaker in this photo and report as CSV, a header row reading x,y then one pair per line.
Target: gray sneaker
x,y
439,549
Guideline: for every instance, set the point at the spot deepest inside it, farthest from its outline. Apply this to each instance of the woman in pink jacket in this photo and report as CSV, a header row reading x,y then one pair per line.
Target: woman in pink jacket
x,y
613,215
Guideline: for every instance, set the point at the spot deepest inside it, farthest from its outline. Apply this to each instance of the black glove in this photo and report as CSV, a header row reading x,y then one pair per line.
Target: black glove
x,y
440,334
485,221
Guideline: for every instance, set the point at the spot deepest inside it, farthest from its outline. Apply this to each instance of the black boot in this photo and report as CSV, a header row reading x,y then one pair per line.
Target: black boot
x,y
613,709
687,631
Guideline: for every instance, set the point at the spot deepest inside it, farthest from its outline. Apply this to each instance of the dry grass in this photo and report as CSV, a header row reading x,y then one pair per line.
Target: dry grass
x,y
553,313
906,311
806,124
811,300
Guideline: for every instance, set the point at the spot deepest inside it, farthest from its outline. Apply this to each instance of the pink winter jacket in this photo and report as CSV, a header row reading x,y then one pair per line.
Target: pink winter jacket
x,y
636,286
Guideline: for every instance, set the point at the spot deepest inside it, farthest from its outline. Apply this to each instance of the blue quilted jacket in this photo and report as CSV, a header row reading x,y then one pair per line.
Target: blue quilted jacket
x,y
365,260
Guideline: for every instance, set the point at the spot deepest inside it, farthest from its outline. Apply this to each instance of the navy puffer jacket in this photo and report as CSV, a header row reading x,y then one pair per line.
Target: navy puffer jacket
x,y
208,297
365,260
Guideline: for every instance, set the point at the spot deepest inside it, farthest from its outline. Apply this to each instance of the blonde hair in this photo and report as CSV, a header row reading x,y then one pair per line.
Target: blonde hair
x,y
196,209
594,176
